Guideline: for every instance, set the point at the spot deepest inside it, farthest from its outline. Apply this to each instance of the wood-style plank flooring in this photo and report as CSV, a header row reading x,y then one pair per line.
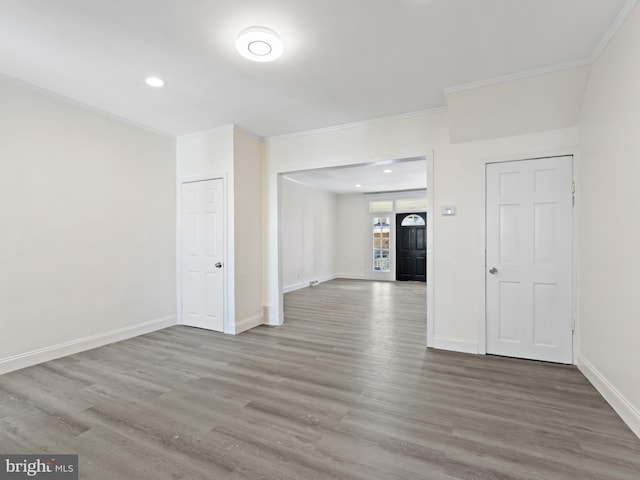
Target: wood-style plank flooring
x,y
345,390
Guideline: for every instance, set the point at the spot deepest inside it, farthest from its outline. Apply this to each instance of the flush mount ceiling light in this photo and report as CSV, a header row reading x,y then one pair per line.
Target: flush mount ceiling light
x,y
155,82
388,170
259,44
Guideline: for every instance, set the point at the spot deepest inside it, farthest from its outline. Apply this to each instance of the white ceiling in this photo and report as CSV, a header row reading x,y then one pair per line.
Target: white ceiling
x,y
344,61
407,174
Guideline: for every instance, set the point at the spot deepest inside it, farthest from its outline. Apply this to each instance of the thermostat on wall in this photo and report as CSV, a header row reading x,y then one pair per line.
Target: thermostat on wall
x,y
448,210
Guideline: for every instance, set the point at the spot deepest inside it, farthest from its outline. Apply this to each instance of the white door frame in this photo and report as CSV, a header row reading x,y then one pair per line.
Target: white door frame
x,y
482,326
275,313
228,291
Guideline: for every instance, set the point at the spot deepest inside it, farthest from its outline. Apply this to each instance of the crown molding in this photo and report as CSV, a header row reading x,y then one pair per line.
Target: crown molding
x,y
84,106
622,15
518,76
624,12
225,128
363,123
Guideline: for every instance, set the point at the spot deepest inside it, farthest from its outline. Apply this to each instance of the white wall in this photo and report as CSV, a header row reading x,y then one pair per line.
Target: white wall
x,y
247,166
353,237
609,230
87,242
205,154
537,103
308,234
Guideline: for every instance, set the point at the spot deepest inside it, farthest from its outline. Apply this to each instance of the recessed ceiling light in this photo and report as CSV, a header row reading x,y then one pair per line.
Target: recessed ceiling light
x,y
358,185
155,82
259,44
388,170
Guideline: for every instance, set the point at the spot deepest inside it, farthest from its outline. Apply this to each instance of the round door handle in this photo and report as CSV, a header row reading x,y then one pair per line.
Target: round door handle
x,y
493,270
218,265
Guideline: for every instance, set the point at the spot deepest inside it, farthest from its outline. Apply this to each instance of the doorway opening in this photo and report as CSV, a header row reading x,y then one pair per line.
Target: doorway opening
x,y
326,225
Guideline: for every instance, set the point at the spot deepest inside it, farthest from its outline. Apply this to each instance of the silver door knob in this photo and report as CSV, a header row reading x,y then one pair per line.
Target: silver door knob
x,y
218,265
493,270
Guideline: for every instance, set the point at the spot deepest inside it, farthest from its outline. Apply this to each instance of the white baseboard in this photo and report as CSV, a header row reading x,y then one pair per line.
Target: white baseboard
x,y
300,285
623,407
326,278
461,345
270,315
247,324
294,287
34,357
351,276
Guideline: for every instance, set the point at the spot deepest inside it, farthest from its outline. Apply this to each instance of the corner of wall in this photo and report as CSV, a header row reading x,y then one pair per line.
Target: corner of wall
x,y
617,400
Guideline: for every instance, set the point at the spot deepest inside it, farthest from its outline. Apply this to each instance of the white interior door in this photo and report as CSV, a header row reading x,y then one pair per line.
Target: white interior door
x,y
202,254
529,259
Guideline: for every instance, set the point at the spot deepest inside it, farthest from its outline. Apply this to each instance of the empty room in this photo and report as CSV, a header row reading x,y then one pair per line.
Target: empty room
x,y
319,240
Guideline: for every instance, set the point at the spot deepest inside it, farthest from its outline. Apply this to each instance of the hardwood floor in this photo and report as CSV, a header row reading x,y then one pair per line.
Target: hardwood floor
x,y
345,390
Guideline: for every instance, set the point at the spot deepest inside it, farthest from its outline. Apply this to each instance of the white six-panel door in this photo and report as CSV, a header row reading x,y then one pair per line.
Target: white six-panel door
x,y
529,259
202,254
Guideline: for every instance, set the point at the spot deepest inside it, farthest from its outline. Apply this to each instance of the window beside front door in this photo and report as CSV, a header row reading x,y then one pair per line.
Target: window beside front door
x,y
381,253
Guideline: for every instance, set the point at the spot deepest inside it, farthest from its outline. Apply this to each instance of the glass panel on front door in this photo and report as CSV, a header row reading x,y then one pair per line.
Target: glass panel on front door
x,y
381,229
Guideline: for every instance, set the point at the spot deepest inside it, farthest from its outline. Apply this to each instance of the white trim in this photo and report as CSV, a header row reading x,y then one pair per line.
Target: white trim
x,y
624,12
270,315
431,319
223,128
351,276
229,246
576,256
202,178
363,123
84,106
534,155
623,407
381,275
247,324
399,194
46,354
294,287
482,317
518,76
462,345
276,312
301,285
326,278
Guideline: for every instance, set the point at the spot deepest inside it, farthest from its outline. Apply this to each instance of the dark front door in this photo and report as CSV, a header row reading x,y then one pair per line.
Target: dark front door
x,y
411,247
